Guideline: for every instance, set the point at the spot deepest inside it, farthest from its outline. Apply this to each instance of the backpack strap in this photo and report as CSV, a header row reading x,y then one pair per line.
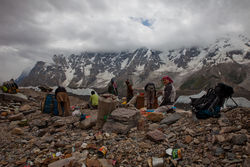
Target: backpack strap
x,y
53,103
43,103
211,107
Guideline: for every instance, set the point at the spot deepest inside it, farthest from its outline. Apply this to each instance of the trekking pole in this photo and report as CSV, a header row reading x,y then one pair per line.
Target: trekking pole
x,y
236,105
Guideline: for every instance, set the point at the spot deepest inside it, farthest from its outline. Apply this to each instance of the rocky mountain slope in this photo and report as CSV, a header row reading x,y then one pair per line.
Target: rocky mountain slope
x,y
227,59
33,138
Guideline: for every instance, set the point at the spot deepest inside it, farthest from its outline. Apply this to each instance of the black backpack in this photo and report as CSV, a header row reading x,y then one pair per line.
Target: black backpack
x,y
214,97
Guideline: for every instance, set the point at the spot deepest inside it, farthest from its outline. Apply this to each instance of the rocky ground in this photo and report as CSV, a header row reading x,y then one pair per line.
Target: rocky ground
x,y
31,137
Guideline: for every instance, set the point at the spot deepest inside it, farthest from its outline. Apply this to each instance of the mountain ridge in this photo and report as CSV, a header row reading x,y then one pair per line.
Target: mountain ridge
x,y
95,69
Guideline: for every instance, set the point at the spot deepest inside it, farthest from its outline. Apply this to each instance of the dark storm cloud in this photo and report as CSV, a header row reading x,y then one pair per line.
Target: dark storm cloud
x,y
32,30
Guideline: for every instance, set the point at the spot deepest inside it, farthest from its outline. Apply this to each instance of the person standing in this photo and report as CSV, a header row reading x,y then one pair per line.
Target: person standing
x,y
130,91
112,87
63,101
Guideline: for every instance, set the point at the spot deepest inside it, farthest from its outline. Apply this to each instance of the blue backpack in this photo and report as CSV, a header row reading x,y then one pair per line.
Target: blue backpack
x,y
49,105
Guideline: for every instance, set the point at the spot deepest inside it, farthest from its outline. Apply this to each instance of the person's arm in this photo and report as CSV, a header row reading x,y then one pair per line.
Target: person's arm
x,y
90,99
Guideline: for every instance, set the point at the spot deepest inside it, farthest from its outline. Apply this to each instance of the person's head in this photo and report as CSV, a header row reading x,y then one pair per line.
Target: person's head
x,y
92,92
112,80
166,80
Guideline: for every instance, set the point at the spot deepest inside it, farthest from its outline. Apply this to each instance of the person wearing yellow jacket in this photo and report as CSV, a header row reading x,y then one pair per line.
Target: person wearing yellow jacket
x,y
93,101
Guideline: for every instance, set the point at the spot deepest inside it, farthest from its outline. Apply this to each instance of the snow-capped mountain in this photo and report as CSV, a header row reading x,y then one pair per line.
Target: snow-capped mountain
x,y
95,69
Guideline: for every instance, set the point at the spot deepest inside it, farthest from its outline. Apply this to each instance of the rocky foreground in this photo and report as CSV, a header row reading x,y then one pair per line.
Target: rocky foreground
x,y
29,137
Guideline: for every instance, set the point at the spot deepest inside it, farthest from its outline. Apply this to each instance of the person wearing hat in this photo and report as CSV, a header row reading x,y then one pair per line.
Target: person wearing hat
x,y
168,95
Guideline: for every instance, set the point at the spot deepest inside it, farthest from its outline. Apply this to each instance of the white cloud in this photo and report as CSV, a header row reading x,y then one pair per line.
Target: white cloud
x,y
35,30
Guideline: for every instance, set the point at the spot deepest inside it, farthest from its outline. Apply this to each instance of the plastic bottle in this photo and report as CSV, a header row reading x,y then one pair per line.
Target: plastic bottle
x,y
174,153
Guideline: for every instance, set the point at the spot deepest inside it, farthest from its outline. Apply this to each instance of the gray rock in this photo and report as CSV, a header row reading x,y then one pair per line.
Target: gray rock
x,y
122,120
219,151
17,131
16,117
59,123
156,135
62,162
41,133
153,126
206,161
230,156
88,122
116,127
171,119
239,139
48,139
170,135
28,112
60,144
72,119
40,123
125,115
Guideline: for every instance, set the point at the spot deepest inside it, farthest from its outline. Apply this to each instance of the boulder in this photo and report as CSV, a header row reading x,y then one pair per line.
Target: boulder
x,y
171,119
153,126
16,117
116,127
240,139
28,112
62,162
25,107
17,131
105,163
88,122
125,115
156,135
122,120
155,116
40,123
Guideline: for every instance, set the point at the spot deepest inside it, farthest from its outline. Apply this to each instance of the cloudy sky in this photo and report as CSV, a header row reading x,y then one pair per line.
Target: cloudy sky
x,y
33,30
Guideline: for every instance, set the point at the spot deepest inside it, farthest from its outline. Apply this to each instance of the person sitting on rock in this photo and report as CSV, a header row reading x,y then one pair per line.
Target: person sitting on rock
x,y
168,97
63,101
93,101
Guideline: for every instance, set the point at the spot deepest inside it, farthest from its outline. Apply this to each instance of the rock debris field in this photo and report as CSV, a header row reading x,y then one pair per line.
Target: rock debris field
x,y
130,137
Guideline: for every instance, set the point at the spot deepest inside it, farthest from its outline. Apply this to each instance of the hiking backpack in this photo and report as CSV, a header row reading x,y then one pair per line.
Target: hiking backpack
x,y
209,104
49,105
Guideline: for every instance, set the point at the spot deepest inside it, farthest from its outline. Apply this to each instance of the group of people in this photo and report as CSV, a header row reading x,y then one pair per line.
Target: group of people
x,y
151,95
10,87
